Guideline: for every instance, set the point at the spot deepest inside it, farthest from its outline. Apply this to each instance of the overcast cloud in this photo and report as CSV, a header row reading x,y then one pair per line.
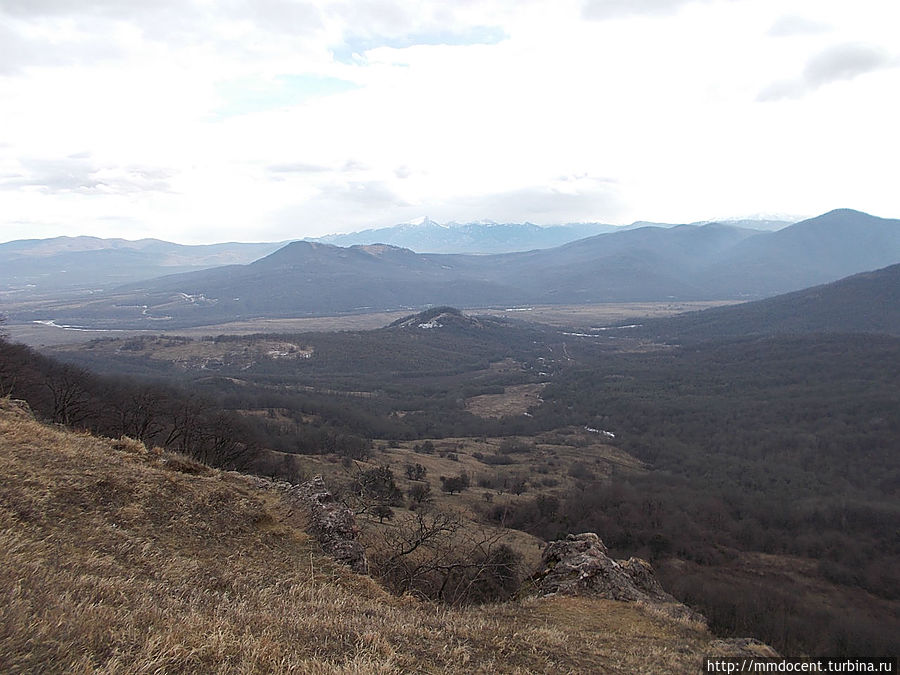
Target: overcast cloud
x,y
833,64
202,121
791,25
610,9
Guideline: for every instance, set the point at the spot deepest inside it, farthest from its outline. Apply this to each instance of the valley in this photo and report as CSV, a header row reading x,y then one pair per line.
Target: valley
x,y
746,448
715,460
397,337
43,333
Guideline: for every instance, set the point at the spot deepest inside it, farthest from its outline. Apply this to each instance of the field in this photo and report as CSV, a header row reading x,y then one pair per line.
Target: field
x,y
605,314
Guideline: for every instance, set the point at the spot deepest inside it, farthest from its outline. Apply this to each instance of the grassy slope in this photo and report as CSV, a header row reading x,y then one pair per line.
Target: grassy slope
x,y
115,559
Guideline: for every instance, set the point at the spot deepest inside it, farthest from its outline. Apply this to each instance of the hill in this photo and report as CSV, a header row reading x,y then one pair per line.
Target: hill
x,y
815,251
90,262
863,303
116,559
687,262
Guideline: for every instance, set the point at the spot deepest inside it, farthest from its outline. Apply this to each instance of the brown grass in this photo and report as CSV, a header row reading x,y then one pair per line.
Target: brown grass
x,y
600,314
115,559
515,400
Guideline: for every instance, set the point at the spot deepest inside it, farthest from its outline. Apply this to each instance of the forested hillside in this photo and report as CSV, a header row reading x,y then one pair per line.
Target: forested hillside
x,y
730,450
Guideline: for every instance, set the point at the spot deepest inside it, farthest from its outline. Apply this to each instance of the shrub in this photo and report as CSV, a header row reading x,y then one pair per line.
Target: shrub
x,y
455,483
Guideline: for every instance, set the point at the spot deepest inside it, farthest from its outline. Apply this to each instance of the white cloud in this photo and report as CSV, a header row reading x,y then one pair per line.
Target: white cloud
x,y
599,10
200,121
792,24
833,64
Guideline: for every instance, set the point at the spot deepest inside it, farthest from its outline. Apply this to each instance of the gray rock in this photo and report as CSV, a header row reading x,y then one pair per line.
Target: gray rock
x,y
580,565
333,524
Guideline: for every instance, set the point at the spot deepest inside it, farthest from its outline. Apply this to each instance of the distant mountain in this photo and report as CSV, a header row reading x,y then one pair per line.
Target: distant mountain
x,y
82,263
765,224
863,303
428,236
92,262
685,262
815,251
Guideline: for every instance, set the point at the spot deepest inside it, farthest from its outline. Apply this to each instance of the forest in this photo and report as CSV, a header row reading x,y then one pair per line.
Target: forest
x,y
752,450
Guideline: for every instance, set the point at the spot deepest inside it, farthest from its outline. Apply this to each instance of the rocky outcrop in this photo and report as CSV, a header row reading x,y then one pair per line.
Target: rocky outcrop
x,y
332,523
580,565
16,407
644,579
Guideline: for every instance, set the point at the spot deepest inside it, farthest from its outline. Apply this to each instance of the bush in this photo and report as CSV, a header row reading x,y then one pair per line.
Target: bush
x,y
416,471
455,483
379,484
383,512
511,446
426,448
497,460
420,493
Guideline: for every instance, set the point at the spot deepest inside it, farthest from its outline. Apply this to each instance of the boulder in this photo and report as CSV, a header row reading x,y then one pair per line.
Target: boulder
x,y
580,565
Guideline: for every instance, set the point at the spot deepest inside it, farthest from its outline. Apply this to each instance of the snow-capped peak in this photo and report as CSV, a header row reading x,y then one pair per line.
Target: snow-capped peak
x,y
423,221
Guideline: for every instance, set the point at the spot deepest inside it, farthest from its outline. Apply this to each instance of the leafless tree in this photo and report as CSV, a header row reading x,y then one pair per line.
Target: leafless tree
x,y
434,555
140,414
70,400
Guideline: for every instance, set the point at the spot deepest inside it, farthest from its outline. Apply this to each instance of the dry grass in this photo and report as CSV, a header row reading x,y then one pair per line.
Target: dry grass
x,y
114,559
515,400
601,314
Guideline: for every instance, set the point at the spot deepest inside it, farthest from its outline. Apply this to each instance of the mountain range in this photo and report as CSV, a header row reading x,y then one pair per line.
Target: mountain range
x,y
91,262
82,262
687,262
428,236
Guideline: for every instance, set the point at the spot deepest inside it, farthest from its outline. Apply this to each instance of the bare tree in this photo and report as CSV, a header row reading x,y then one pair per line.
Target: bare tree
x,y
432,554
7,368
221,442
185,425
70,400
137,414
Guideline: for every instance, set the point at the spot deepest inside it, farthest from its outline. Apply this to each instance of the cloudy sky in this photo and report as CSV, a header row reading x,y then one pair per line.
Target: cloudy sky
x,y
250,120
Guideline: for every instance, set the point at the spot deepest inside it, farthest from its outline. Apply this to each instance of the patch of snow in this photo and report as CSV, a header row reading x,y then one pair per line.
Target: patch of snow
x,y
607,434
63,326
631,325
431,324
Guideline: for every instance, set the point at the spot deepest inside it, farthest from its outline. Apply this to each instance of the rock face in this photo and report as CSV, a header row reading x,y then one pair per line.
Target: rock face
x,y
333,524
580,565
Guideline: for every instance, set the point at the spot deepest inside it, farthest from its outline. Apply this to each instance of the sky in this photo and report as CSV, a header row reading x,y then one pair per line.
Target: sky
x,y
200,121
